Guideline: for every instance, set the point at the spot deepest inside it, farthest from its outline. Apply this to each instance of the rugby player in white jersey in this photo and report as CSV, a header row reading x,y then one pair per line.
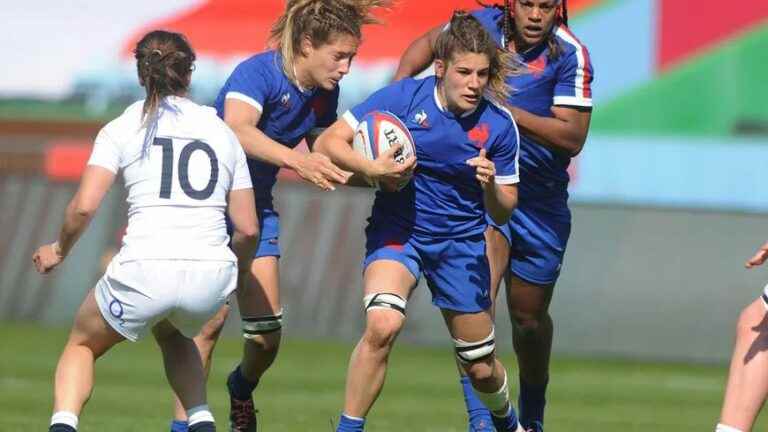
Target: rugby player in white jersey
x,y
183,167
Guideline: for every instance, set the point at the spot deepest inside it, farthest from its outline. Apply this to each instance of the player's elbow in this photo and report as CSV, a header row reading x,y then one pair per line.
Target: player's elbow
x,y
506,197
500,216
575,148
249,232
573,144
82,209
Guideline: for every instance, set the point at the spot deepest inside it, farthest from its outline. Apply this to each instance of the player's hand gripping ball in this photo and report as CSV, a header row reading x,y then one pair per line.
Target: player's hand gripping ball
x,y
376,133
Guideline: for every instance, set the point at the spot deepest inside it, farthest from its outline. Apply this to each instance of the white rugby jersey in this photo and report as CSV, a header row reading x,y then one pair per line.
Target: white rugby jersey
x,y
177,183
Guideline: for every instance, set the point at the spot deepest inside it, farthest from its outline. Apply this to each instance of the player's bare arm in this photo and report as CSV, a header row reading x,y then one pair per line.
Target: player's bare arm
x,y
759,257
419,55
499,199
312,167
245,222
566,132
94,185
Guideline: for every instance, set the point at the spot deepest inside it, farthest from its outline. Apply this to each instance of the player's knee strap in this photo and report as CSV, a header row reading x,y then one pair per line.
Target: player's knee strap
x,y
384,301
469,352
256,326
497,400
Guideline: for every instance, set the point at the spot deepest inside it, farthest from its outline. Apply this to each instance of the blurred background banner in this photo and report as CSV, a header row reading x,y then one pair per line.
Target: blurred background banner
x,y
669,193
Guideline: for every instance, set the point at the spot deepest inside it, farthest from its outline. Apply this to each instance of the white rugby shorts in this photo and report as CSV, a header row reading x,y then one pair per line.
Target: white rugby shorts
x,y
133,296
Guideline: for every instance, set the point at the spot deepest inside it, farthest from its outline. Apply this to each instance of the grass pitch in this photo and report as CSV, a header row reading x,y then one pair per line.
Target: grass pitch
x,y
304,389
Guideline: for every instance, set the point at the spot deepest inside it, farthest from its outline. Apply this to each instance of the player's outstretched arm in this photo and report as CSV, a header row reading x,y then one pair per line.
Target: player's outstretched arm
x,y
94,185
241,206
759,257
313,168
419,55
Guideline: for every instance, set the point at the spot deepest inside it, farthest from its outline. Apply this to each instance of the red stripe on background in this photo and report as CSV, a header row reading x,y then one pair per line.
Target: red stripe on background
x,y
688,28
226,28
65,160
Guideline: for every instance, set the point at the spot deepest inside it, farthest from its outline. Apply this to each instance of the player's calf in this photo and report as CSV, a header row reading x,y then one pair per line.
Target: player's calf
x,y
262,340
488,380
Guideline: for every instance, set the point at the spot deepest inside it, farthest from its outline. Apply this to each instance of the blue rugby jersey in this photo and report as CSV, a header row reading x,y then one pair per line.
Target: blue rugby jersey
x,y
288,113
565,81
444,199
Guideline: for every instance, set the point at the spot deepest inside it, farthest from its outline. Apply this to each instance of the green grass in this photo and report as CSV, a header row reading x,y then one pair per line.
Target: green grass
x,y
304,390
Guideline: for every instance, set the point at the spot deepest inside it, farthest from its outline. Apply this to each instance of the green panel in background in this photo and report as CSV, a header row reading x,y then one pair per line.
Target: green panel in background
x,y
710,95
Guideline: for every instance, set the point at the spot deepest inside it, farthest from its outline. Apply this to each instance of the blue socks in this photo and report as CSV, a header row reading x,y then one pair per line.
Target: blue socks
x,y
239,387
350,424
531,402
508,423
479,416
179,426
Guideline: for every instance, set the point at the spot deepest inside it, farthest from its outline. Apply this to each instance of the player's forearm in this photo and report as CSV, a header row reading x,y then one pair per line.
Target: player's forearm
x,y
77,217
341,154
258,145
560,135
500,201
417,57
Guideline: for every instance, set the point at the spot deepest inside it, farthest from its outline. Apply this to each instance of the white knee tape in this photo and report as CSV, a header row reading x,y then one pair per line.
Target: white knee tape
x,y
255,326
384,301
497,400
468,352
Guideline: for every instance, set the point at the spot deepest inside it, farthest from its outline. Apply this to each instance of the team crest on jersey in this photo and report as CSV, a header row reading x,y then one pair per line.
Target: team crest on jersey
x,y
285,100
421,119
479,134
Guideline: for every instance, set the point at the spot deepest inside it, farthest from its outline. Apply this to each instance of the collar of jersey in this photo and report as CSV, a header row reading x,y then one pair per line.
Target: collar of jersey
x,y
447,112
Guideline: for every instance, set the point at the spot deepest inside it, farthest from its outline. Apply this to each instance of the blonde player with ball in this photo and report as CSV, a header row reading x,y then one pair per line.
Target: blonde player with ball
x,y
183,169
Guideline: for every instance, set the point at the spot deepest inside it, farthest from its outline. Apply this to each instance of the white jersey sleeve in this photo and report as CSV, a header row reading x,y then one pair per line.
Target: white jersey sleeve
x,y
106,151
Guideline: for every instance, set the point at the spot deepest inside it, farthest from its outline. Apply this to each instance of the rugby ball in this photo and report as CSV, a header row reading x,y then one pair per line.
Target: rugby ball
x,y
376,132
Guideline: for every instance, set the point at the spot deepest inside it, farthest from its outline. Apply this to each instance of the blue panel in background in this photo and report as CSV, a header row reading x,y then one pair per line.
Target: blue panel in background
x,y
712,173
627,59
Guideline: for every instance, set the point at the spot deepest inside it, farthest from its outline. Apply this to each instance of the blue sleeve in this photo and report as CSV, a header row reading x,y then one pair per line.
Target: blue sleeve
x,y
574,77
489,18
504,153
393,98
251,83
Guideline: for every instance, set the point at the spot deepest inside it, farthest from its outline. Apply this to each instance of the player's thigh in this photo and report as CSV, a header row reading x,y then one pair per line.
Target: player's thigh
x,y
497,250
91,329
259,290
470,327
388,276
527,300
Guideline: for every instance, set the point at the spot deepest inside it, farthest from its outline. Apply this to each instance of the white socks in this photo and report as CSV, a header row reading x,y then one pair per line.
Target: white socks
x,y
199,414
723,428
64,417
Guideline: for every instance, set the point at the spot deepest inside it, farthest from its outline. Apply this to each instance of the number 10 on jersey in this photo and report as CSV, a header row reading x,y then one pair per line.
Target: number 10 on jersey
x,y
183,164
